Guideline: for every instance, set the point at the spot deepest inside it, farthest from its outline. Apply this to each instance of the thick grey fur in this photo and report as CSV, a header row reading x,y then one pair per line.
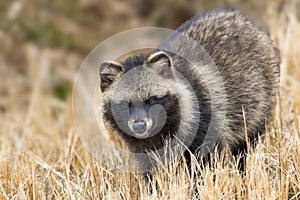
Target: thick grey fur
x,y
247,62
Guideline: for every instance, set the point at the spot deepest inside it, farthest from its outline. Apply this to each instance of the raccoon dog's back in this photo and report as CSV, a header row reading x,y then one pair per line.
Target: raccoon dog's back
x,y
248,63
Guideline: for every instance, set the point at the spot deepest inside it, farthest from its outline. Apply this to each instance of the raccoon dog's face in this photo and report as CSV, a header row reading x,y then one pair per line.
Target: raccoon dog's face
x,y
138,98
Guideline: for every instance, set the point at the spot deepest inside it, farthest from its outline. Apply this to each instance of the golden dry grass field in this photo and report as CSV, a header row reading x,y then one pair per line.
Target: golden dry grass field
x,y
42,157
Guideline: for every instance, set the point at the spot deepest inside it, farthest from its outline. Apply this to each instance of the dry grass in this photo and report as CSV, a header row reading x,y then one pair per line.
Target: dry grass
x,y
41,156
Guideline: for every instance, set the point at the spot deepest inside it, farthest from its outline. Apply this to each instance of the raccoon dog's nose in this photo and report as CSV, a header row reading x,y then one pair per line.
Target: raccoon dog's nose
x,y
139,126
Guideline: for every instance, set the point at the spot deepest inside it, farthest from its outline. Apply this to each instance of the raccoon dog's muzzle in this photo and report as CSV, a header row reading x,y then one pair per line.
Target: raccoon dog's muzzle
x,y
140,123
140,127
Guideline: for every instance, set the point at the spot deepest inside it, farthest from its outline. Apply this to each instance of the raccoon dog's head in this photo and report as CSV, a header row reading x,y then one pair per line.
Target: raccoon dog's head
x,y
140,98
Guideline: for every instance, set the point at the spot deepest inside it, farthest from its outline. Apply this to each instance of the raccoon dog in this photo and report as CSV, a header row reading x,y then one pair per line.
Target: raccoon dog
x,y
151,98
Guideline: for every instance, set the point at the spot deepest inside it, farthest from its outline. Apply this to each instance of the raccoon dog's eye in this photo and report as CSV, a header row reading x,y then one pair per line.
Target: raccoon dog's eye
x,y
125,104
152,100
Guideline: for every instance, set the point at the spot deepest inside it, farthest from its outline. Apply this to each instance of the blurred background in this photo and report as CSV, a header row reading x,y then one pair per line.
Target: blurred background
x,y
43,42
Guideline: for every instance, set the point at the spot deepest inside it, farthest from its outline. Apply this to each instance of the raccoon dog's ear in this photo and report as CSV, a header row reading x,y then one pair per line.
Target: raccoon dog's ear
x,y
161,63
109,72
